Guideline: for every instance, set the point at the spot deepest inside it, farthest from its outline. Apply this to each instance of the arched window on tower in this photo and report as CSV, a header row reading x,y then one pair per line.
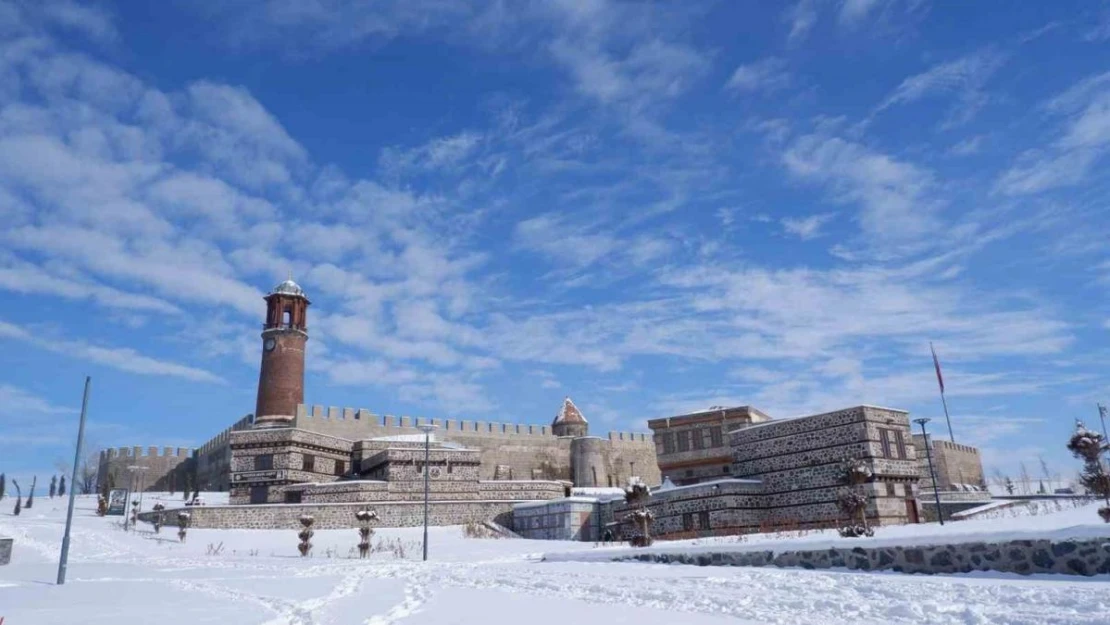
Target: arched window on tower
x,y
287,318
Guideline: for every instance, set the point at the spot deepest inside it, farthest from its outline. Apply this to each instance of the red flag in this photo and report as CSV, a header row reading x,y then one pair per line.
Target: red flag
x,y
936,365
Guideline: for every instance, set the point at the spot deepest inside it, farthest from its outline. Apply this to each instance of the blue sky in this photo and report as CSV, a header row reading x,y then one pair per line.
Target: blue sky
x,y
650,207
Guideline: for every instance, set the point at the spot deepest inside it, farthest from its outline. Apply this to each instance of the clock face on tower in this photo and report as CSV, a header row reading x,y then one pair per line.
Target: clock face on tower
x,y
269,345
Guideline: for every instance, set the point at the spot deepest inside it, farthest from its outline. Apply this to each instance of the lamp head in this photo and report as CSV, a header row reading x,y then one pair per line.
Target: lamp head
x,y
427,427
922,420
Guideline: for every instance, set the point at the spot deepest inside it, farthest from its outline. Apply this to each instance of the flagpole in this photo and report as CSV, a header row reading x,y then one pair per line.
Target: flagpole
x,y
949,421
940,384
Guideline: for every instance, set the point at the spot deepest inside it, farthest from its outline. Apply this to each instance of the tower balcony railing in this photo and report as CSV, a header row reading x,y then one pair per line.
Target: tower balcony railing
x,y
285,326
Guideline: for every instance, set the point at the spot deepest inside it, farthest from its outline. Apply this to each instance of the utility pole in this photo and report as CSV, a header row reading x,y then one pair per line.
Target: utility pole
x,y
929,456
427,428
63,560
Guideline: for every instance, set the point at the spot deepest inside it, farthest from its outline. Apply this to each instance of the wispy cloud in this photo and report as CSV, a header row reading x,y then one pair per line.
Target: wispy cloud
x,y
121,358
806,228
764,75
1082,140
966,77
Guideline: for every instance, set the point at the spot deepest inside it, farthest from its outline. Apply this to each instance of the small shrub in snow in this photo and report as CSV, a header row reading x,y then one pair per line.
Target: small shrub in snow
x,y
62,487
364,518
305,546
1090,446
637,494
53,486
852,499
182,525
31,495
159,517
215,550
18,498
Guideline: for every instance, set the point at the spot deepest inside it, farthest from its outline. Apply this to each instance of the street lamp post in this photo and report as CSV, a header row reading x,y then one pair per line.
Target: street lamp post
x,y
132,469
932,474
427,428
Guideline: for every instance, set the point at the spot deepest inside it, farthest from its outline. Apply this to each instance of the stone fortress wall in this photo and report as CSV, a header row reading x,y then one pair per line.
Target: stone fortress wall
x,y
508,450
955,464
213,458
165,467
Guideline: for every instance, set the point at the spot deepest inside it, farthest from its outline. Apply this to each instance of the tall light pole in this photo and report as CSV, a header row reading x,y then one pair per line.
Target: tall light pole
x,y
427,428
63,560
929,456
132,469
1102,418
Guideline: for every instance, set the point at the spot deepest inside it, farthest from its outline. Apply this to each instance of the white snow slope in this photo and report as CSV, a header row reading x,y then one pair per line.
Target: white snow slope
x,y
258,578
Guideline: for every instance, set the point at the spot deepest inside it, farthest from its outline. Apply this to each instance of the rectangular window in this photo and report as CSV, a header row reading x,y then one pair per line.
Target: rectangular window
x,y
260,494
668,443
703,520
727,469
340,467
688,521
900,444
292,496
264,462
684,441
699,438
884,435
890,489
716,437
308,462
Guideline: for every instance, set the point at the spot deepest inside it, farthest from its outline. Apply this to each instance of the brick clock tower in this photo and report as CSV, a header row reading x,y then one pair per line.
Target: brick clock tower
x,y
281,377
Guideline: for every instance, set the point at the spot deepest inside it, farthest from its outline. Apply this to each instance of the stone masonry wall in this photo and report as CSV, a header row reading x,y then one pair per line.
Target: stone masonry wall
x,y
798,463
164,467
340,516
523,451
1026,557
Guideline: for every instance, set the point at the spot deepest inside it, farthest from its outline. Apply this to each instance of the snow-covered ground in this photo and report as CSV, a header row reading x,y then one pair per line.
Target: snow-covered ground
x,y
257,577
1035,520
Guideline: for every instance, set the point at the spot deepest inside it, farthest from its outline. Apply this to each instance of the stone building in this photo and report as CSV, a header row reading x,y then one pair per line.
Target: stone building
x,y
784,473
958,467
289,444
694,447
162,471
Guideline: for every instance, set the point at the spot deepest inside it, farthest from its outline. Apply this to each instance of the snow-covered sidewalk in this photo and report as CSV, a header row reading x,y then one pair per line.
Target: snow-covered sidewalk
x,y
258,578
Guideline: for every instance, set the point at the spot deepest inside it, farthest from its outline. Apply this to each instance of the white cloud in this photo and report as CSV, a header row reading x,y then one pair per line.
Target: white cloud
x,y
968,146
806,228
27,278
801,17
17,402
121,358
1083,140
893,195
764,75
965,76
852,12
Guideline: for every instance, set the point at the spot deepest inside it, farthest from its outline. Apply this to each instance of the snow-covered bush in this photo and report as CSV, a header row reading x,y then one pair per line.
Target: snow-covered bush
x,y
637,494
852,499
306,534
1090,446
182,524
364,517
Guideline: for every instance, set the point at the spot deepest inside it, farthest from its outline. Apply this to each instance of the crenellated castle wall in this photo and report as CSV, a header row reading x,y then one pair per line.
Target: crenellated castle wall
x,y
164,468
508,450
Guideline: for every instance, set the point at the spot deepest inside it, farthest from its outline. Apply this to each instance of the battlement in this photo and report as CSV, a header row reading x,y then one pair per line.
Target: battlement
x,y
220,441
630,437
151,452
371,421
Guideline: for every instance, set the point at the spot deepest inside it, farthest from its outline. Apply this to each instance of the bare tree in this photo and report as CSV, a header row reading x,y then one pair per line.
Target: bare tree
x,y
1023,475
87,473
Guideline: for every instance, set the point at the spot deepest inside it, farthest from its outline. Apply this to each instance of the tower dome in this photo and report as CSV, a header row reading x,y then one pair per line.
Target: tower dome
x,y
288,287
569,421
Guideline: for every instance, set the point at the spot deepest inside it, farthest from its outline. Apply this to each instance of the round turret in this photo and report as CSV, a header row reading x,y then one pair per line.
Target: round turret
x,y
570,421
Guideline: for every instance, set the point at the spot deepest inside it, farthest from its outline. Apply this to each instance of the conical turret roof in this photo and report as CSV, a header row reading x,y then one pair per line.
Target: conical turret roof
x,y
569,413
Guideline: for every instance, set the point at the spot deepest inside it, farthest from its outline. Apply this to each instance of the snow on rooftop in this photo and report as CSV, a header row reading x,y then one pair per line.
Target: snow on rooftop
x,y
569,413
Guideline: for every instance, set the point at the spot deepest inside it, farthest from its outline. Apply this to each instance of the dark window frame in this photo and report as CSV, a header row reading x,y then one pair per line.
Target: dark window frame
x,y
264,462
684,441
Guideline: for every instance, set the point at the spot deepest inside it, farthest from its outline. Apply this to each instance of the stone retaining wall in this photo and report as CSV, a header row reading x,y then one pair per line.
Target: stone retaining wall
x,y
6,550
1068,557
340,516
